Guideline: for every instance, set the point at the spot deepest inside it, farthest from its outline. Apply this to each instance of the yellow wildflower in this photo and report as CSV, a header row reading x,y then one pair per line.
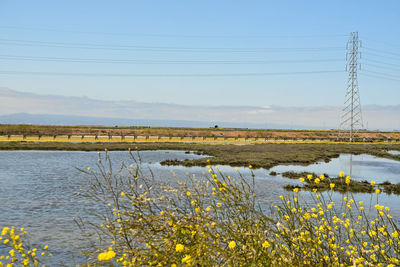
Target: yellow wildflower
x,y
232,244
187,259
5,231
105,256
266,244
179,247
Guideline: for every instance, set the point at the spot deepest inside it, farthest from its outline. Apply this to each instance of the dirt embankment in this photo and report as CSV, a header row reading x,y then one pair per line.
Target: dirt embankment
x,y
7,129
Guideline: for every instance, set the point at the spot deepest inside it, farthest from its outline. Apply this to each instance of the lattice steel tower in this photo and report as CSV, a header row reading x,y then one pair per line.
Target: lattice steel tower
x,y
352,119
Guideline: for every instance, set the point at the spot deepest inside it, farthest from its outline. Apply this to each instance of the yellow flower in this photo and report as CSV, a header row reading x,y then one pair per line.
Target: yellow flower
x,y
232,244
373,183
301,180
5,231
250,167
105,256
309,176
322,177
341,174
296,190
266,244
317,180
179,247
377,191
122,194
332,185
12,253
348,179
187,259
188,194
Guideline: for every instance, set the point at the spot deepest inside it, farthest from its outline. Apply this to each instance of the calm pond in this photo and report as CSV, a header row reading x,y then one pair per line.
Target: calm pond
x,y
38,189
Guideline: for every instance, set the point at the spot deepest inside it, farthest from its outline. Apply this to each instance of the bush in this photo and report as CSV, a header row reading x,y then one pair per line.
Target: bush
x,y
214,220
19,253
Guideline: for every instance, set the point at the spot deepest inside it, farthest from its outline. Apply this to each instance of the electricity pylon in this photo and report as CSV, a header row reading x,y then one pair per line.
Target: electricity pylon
x,y
352,118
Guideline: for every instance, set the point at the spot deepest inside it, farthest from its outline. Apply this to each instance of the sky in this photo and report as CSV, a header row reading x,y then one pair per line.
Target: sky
x,y
214,53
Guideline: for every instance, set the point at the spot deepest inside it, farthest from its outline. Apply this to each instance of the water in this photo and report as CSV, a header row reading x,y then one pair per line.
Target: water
x,y
38,189
394,152
359,167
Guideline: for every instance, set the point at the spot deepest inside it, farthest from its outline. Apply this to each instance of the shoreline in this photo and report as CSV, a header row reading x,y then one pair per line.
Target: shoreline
x,y
266,155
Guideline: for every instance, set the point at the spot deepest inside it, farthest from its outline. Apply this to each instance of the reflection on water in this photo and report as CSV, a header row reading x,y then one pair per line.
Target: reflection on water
x,y
38,189
394,152
359,167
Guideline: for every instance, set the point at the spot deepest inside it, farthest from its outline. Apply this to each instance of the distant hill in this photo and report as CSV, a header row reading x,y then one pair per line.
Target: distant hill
x,y
43,119
21,107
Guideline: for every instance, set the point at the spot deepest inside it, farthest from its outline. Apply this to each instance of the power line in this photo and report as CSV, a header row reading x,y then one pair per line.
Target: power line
x,y
380,67
383,51
163,48
383,74
136,61
379,77
381,56
384,43
178,35
162,75
381,62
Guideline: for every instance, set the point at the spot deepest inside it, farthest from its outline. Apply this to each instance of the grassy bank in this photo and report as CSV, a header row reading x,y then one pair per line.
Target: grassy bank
x,y
258,155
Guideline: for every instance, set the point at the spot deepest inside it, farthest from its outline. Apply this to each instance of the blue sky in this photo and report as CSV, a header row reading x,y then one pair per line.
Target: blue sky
x,y
152,37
